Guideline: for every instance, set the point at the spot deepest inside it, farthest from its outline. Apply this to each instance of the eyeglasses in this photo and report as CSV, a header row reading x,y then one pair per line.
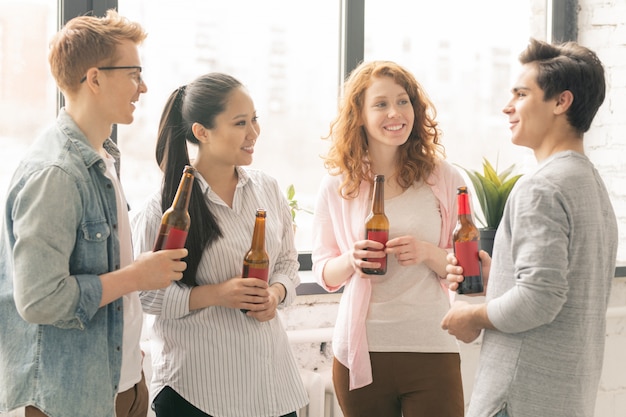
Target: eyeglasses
x,y
135,67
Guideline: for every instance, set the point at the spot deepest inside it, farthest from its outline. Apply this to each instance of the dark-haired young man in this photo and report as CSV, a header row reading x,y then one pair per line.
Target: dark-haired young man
x,y
554,252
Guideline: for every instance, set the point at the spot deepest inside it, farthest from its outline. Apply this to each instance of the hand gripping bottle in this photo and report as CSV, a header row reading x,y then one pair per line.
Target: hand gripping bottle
x,y
176,221
465,238
256,263
377,224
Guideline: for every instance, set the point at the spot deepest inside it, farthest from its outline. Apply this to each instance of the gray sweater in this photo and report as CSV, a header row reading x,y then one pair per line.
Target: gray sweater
x,y
553,264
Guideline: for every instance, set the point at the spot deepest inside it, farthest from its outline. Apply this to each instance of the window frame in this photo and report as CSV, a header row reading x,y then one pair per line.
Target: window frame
x,y
562,26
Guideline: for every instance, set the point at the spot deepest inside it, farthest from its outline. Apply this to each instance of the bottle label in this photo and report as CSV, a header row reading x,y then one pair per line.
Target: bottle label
x,y
467,255
381,236
175,239
251,272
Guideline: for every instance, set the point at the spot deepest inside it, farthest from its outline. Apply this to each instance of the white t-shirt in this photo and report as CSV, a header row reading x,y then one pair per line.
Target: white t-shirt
x,y
408,302
133,315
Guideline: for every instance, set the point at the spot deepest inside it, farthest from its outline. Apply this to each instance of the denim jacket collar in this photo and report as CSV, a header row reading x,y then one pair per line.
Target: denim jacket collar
x,y
71,130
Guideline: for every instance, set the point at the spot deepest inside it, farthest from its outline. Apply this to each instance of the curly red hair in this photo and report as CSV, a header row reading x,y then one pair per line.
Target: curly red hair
x,y
348,152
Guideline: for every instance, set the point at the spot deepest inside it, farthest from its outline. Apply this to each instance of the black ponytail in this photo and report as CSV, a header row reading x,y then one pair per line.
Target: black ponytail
x,y
172,156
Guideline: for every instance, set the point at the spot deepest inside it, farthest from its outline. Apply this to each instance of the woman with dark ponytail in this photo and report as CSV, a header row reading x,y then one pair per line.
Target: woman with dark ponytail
x,y
210,359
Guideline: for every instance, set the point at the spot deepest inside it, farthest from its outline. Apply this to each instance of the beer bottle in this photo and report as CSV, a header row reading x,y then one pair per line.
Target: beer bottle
x,y
377,224
465,238
175,221
256,262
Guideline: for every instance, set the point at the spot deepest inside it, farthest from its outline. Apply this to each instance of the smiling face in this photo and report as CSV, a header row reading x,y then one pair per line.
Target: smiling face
x,y
231,141
532,119
122,87
387,113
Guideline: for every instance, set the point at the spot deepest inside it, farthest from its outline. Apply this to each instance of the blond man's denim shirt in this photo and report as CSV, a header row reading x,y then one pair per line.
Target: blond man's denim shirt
x,y
58,350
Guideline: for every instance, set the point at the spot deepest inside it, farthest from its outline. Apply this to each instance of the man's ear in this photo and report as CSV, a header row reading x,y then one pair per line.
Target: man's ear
x,y
564,101
91,78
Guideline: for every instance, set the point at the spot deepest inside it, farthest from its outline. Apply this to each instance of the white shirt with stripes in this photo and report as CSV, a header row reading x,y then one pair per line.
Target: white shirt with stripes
x,y
221,361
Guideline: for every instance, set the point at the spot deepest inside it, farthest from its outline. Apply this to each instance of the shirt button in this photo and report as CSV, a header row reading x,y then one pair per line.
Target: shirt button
x,y
98,235
118,348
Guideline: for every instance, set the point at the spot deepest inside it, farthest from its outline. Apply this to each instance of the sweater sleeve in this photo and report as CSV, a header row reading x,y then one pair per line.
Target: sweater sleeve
x,y
536,223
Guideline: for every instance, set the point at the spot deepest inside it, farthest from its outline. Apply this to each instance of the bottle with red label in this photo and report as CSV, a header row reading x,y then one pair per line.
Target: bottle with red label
x,y
256,262
175,221
466,238
377,225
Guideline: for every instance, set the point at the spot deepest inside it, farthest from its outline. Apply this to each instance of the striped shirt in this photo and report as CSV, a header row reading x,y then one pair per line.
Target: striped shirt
x,y
221,361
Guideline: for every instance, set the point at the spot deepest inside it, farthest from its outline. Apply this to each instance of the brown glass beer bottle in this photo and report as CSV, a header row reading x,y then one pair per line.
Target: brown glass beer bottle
x,y
256,262
465,238
175,221
377,224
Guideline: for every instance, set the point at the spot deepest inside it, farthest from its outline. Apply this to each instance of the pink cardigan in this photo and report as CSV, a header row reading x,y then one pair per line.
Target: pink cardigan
x,y
337,224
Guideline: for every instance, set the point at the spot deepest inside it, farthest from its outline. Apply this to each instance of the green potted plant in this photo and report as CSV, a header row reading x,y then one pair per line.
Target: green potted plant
x,y
293,204
491,189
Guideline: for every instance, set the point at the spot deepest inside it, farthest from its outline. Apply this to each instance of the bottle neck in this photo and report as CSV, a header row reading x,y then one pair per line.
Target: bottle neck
x,y
463,205
258,236
183,194
378,201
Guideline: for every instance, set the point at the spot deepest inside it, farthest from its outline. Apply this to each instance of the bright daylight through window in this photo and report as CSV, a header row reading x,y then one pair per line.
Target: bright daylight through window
x,y
289,60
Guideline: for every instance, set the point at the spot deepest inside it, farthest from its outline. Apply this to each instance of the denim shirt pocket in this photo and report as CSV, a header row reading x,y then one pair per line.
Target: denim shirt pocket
x,y
96,231
91,254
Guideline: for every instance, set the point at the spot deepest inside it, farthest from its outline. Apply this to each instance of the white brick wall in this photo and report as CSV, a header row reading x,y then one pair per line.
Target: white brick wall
x,y
602,27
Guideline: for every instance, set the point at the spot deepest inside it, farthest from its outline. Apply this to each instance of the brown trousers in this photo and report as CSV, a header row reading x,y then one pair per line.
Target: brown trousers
x,y
405,384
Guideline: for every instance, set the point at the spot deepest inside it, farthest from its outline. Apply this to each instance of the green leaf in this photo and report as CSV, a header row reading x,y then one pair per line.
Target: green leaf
x,y
492,190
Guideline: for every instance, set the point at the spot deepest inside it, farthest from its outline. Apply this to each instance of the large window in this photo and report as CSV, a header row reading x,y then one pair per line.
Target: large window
x,y
288,55
27,90
285,52
464,53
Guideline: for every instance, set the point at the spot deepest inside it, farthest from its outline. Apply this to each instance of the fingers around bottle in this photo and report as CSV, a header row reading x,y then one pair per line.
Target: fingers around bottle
x,y
255,282
451,258
373,253
373,245
453,286
177,253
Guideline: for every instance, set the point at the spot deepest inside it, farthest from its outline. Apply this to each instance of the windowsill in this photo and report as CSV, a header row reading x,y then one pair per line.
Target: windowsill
x,y
308,286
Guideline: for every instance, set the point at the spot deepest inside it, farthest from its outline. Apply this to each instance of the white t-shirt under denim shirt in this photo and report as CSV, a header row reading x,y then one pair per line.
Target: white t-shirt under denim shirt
x,y
133,315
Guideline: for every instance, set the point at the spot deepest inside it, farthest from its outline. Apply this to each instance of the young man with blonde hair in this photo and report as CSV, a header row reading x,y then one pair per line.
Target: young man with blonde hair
x,y
70,312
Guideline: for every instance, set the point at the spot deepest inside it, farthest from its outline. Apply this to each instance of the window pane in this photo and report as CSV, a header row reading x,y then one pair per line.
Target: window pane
x,y
285,52
464,53
27,90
